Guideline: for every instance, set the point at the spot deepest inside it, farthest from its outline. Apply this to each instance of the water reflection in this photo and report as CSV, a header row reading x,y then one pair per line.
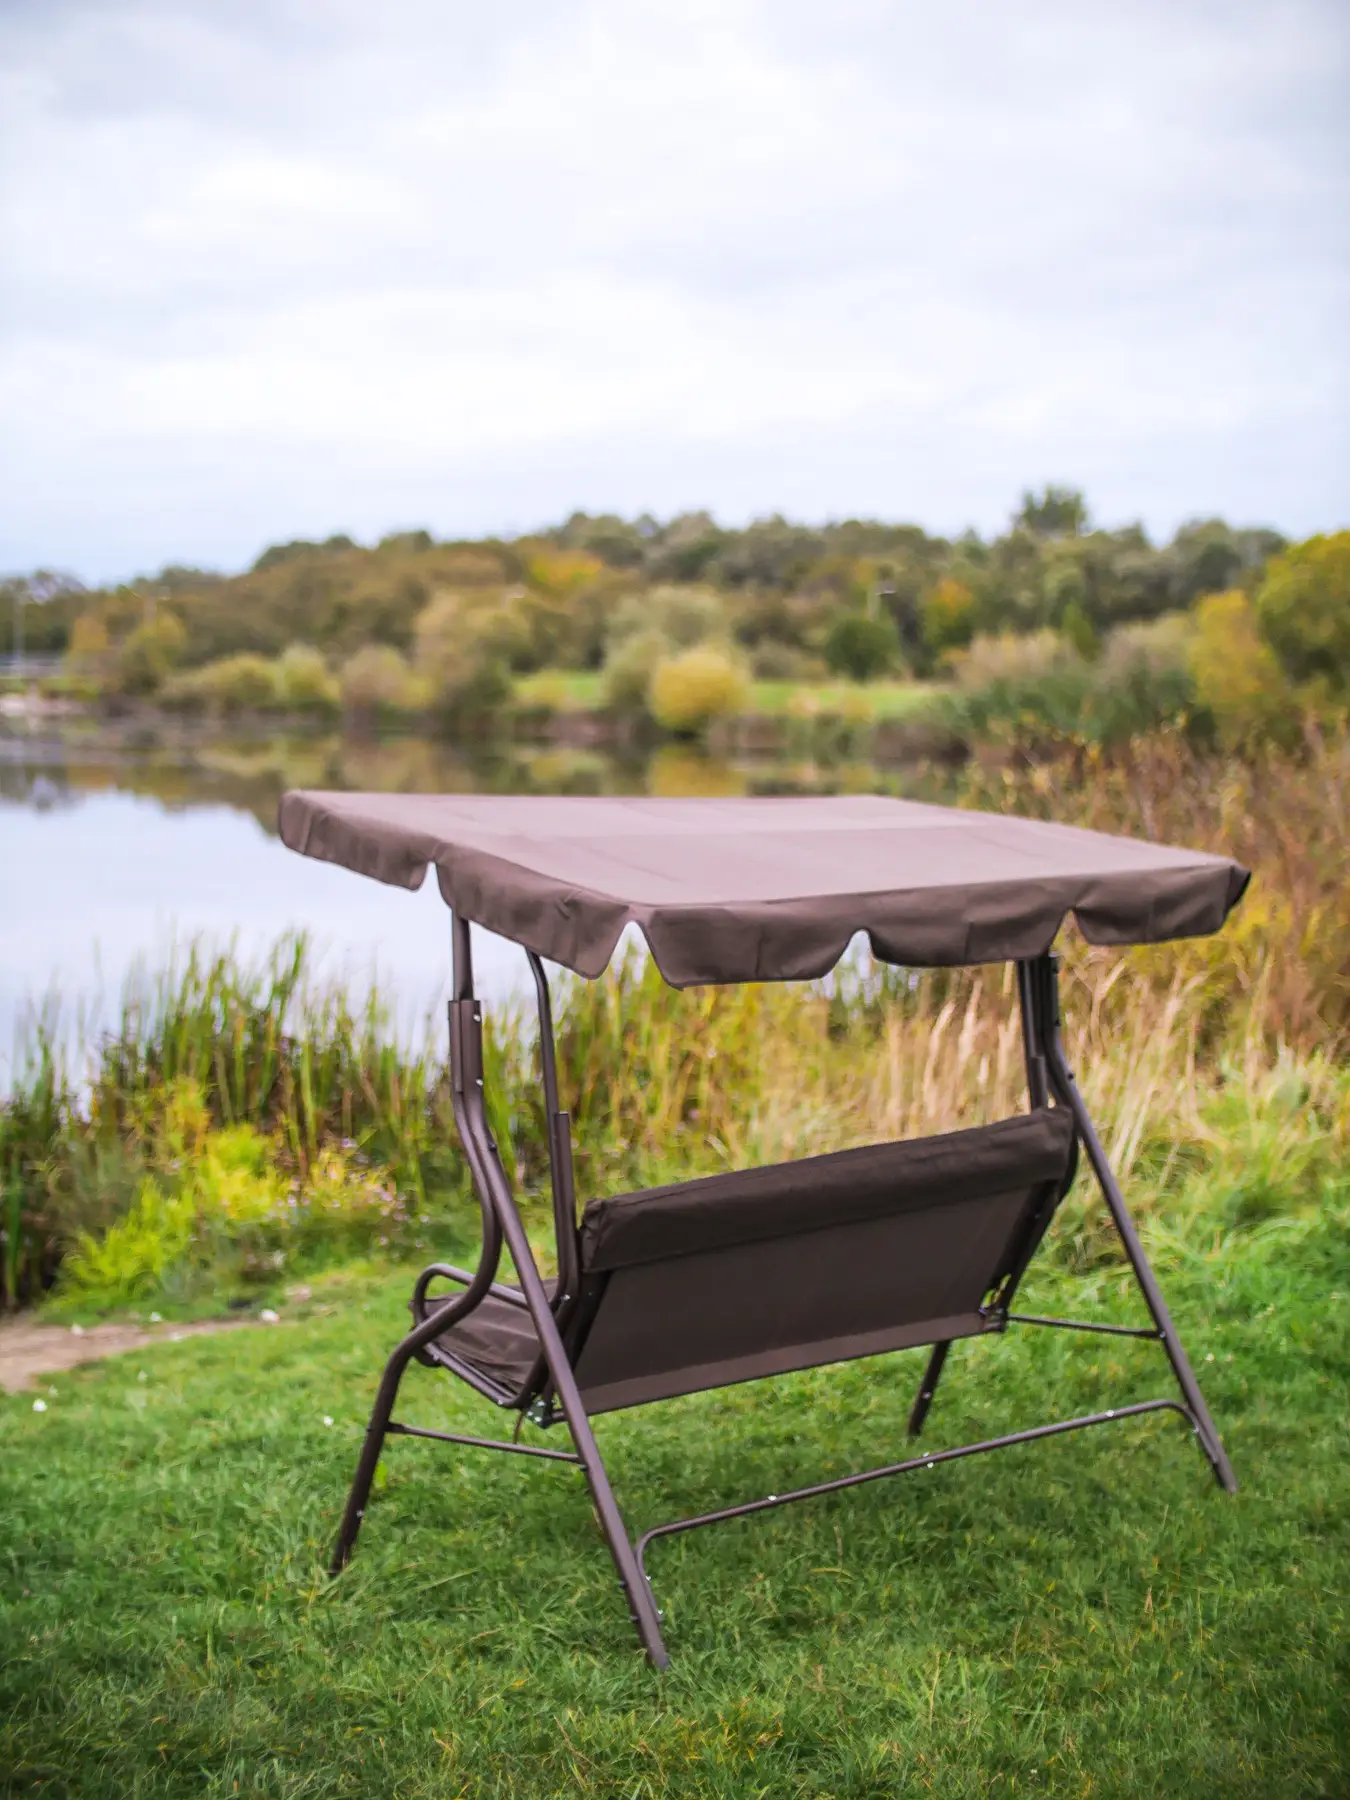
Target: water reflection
x,y
115,847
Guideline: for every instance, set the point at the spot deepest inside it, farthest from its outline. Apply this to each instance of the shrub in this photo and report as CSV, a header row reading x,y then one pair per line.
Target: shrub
x,y
562,572
1015,658
1039,687
1303,607
785,662
1159,646
629,668
683,616
862,645
90,650
463,654
691,690
229,1182
948,618
304,681
1238,679
146,657
378,682
243,683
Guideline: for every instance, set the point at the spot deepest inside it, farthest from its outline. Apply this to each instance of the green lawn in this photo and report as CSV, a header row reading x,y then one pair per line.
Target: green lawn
x,y
1085,1617
577,691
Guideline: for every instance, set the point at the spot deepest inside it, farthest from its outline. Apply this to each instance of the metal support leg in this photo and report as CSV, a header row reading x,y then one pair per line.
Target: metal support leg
x,y
927,1388
1066,1091
370,1456
494,1190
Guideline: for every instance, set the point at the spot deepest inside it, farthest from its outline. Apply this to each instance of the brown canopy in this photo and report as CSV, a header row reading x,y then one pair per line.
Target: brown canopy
x,y
766,889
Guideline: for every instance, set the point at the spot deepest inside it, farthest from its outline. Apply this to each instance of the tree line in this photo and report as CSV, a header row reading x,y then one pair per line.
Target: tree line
x,y
415,625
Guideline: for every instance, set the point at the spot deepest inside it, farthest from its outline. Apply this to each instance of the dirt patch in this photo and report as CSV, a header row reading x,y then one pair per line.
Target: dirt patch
x,y
27,1350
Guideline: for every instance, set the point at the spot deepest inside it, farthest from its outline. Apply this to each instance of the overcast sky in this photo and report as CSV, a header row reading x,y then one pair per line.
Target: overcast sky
x,y
279,268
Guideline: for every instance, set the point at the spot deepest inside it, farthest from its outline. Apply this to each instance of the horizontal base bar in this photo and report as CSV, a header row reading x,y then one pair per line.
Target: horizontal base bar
x,y
477,1443
901,1468
1136,1331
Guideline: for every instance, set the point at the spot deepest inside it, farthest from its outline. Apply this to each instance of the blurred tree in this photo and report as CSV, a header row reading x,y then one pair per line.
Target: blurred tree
x,y
1206,559
1303,605
1054,512
689,691
629,668
304,681
89,652
148,655
413,541
1237,678
862,645
1078,631
377,682
463,654
948,619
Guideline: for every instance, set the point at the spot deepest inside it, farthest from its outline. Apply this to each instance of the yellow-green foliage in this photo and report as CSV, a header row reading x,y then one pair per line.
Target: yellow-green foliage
x,y
243,683
689,691
1237,677
304,681
90,649
1303,606
948,617
378,682
628,671
465,644
224,1180
152,650
561,572
219,1198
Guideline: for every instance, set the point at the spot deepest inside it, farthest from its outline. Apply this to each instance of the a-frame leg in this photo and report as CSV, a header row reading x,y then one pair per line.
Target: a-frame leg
x,y
1043,974
380,1415
376,1431
494,1190
927,1388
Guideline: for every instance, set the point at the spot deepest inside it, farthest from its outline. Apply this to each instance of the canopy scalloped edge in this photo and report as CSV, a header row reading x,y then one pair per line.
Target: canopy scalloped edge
x,y
963,887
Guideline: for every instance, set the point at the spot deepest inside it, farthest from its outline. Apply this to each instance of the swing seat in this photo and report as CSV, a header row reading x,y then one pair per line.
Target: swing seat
x,y
701,1284
704,1283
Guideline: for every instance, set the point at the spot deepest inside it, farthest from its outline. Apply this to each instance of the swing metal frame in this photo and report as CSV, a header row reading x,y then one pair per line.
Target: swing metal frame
x,y
556,1312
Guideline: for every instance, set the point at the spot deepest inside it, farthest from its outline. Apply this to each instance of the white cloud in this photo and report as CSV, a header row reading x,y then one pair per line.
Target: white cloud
x,y
286,268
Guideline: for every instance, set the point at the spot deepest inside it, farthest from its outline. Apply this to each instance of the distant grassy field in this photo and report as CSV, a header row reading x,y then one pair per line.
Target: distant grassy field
x,y
1088,1617
581,692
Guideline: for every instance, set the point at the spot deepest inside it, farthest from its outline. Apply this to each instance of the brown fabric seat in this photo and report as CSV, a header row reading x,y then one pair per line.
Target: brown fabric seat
x,y
758,1271
762,1271
497,1338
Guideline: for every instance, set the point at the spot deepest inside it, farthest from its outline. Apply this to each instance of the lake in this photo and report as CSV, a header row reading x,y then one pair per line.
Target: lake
x,y
118,845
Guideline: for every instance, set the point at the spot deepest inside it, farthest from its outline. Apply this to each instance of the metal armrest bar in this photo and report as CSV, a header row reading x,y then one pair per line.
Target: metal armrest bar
x,y
478,1443
903,1468
1138,1331
448,1272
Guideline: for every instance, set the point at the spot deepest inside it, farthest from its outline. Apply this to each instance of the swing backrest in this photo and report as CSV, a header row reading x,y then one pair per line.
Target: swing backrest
x,y
703,1283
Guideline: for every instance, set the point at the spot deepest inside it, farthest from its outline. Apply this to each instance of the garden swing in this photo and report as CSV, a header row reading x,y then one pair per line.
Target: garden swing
x,y
736,1276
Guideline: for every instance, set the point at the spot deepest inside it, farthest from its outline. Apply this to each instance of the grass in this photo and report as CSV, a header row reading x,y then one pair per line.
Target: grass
x,y
876,699
580,691
1086,1617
